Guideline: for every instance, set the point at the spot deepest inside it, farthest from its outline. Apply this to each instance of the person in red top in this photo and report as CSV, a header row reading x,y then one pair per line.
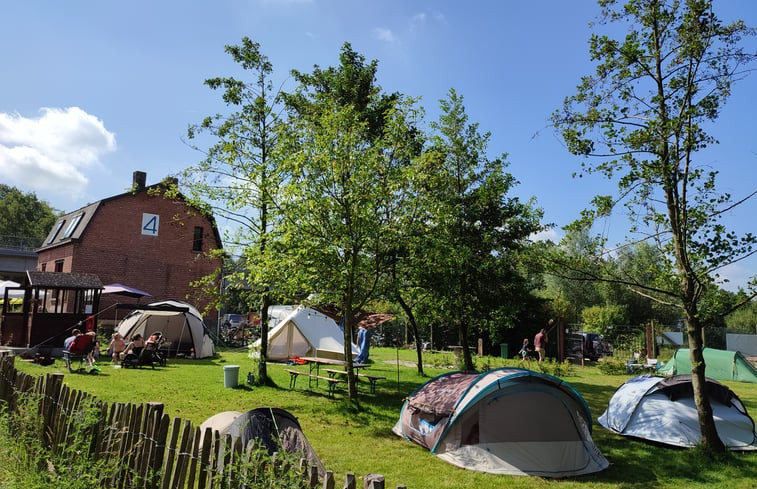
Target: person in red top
x,y
540,344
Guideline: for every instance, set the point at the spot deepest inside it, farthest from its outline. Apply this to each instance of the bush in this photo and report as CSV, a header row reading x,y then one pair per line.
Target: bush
x,y
551,367
611,366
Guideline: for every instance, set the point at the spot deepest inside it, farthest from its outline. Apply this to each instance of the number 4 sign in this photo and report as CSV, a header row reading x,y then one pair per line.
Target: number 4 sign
x,y
150,224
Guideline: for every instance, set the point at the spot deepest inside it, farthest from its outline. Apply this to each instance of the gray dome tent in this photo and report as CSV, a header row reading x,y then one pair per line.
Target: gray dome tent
x,y
662,410
181,324
504,421
272,428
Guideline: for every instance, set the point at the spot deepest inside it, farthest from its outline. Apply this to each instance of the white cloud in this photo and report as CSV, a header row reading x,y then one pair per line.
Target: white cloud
x,y
417,21
546,235
52,152
385,35
421,20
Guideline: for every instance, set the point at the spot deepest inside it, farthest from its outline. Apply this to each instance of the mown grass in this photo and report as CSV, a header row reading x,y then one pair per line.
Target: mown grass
x,y
358,438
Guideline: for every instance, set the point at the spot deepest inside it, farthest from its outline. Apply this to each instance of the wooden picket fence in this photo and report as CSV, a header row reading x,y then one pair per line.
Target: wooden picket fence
x,y
153,452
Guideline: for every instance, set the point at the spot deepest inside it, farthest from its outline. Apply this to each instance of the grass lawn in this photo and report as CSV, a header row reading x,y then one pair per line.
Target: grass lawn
x,y
359,439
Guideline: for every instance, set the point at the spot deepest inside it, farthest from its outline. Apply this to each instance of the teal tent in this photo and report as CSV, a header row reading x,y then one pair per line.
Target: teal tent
x,y
719,364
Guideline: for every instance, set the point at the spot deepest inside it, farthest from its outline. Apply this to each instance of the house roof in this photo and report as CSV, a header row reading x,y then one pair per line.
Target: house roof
x,y
60,280
71,226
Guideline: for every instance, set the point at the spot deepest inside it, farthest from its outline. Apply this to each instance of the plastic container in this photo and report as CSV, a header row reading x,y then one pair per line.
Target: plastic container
x,y
230,376
503,350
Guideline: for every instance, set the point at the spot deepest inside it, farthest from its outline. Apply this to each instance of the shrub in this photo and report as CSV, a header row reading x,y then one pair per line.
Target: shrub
x,y
551,367
611,366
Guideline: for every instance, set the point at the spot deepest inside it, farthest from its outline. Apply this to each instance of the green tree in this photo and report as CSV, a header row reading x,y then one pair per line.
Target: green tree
x,y
598,318
641,118
344,148
743,320
576,293
24,219
474,229
239,178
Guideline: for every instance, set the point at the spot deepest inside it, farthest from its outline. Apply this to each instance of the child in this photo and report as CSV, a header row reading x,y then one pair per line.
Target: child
x,y
525,353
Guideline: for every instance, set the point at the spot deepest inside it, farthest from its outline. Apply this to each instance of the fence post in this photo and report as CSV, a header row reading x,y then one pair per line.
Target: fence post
x,y
53,385
328,480
313,476
153,431
373,481
350,481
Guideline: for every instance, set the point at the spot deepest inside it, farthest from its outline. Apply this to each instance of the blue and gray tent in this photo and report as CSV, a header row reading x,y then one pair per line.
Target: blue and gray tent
x,y
662,410
504,421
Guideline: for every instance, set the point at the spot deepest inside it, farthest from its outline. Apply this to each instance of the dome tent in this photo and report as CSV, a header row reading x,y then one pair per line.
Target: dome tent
x,y
504,421
273,429
662,410
719,364
181,324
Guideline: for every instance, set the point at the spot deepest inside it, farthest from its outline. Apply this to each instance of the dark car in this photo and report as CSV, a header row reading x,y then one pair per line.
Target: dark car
x,y
587,345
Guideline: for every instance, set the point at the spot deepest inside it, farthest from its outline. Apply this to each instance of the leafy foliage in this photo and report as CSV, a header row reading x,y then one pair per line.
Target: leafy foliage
x,y
24,219
597,318
641,119
239,181
474,229
345,149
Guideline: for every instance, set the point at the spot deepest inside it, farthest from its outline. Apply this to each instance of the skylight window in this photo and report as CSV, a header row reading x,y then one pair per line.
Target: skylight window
x,y
56,230
72,227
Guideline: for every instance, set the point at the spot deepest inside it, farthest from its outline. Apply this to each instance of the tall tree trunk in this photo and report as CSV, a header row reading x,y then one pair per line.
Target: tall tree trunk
x,y
349,320
710,439
262,364
467,359
414,327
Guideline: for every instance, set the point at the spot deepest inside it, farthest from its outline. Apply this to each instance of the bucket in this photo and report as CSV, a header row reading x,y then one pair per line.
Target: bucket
x,y
230,375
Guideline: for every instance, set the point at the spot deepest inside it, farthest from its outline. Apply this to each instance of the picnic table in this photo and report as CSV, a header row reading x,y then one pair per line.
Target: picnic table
x,y
315,364
314,372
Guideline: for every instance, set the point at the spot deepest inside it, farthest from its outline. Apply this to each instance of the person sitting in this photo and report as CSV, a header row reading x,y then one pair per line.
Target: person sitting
x,y
155,339
116,346
84,344
135,346
67,342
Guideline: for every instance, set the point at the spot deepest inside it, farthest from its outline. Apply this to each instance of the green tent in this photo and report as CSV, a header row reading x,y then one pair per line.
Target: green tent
x,y
720,364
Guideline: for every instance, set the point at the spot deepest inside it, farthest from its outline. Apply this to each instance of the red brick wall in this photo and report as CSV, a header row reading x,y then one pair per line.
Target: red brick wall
x,y
114,248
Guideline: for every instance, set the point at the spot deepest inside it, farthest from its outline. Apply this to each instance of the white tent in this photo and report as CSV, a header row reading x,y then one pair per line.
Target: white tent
x,y
303,332
180,323
662,410
11,293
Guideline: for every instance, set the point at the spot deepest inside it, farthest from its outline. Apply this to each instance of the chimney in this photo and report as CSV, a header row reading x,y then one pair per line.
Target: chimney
x,y
139,180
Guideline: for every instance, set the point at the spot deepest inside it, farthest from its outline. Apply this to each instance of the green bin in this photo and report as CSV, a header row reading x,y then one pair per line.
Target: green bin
x,y
503,350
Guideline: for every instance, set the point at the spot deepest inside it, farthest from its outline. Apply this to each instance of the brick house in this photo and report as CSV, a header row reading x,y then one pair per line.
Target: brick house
x,y
140,238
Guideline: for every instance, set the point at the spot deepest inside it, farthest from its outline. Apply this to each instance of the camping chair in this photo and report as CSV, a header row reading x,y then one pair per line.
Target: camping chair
x,y
79,349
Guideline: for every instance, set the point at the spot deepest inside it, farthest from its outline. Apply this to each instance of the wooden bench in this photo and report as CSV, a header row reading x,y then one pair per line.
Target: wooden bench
x,y
334,373
293,374
372,379
332,381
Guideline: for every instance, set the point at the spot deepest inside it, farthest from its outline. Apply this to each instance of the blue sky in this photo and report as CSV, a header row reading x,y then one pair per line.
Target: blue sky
x,y
92,90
